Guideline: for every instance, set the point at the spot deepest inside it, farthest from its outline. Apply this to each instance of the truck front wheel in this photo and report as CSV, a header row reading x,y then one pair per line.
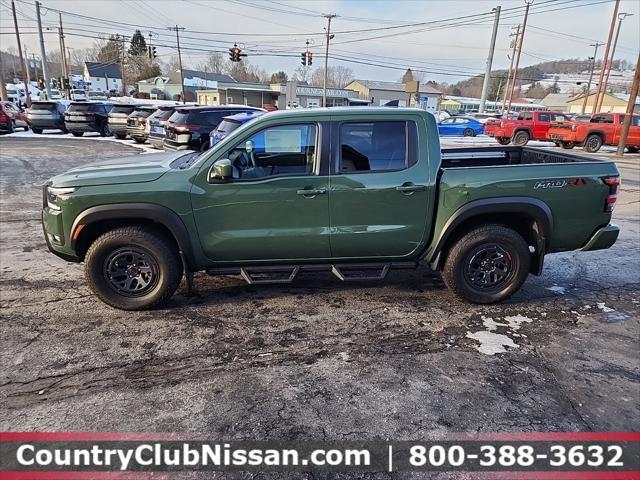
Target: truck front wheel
x,y
521,138
593,143
487,265
133,268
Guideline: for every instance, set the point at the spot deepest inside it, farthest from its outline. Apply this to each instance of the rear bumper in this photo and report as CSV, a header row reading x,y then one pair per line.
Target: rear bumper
x,y
118,127
81,127
171,145
156,141
603,238
136,132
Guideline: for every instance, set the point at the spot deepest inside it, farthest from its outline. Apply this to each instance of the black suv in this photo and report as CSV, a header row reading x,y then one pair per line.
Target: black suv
x,y
189,127
83,117
45,115
157,121
118,119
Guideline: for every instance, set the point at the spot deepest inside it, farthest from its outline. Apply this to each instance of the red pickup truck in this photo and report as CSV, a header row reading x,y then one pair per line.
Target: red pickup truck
x,y
528,126
602,129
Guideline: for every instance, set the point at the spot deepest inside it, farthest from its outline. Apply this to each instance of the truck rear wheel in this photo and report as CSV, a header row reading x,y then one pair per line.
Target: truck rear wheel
x,y
487,265
133,268
503,140
593,143
521,138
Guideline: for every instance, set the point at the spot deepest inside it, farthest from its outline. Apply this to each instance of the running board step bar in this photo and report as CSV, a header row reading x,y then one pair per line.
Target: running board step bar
x,y
285,274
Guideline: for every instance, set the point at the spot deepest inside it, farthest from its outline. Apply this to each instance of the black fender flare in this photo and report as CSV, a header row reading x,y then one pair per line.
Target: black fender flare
x,y
147,211
532,207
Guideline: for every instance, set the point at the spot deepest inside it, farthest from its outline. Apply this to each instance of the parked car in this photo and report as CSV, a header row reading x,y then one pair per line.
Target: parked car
x,y
229,124
602,129
460,126
97,96
55,94
156,122
118,119
46,114
83,117
17,96
276,198
483,117
78,94
11,117
189,127
532,125
137,122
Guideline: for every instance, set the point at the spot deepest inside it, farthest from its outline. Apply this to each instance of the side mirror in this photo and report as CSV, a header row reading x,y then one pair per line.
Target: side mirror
x,y
222,170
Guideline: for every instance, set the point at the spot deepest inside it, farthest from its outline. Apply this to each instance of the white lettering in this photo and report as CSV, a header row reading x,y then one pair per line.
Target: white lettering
x,y
20,454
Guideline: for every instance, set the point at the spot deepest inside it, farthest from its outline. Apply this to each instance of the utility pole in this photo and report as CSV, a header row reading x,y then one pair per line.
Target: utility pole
x,y
630,106
328,16
603,66
25,72
124,83
515,68
3,86
63,56
178,30
487,73
593,66
43,53
621,17
513,56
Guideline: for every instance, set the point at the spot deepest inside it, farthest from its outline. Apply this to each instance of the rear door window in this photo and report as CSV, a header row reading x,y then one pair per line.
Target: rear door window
x,y
179,116
544,117
376,146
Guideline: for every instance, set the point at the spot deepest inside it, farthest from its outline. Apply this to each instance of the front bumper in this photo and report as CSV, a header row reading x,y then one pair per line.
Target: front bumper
x,y
603,238
53,230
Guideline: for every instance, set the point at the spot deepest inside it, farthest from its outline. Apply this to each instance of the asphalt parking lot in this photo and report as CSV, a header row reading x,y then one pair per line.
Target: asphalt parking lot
x,y
317,359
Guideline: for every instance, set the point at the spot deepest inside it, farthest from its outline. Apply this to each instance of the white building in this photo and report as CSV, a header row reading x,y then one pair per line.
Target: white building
x,y
103,77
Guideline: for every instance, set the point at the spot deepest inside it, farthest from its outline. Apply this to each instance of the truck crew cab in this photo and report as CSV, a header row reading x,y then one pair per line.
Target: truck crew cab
x,y
602,129
528,126
357,192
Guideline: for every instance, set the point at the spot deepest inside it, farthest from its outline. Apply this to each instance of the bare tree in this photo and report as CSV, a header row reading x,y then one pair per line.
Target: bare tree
x,y
301,75
337,76
214,64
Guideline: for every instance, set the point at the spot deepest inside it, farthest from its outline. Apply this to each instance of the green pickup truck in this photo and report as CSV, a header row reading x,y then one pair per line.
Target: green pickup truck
x,y
353,191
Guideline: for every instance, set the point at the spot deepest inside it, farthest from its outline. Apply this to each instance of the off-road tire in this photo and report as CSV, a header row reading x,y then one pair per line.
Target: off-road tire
x,y
503,140
161,252
37,131
521,138
468,132
77,134
567,145
592,143
459,262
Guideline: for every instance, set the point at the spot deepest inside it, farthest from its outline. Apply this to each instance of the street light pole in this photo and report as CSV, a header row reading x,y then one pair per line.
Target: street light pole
x,y
23,64
603,66
43,53
621,17
177,30
517,63
593,66
328,16
487,73
630,106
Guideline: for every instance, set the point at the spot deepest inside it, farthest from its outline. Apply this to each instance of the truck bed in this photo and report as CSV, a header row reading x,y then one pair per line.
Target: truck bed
x,y
501,156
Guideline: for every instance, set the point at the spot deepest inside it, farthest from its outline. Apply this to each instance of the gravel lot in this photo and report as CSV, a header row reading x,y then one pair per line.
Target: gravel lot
x,y
317,359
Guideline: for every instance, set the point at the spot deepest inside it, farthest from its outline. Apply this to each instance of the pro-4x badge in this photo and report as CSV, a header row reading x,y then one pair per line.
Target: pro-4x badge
x,y
550,184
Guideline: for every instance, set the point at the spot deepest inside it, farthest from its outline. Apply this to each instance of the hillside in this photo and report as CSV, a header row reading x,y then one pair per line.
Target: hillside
x,y
546,77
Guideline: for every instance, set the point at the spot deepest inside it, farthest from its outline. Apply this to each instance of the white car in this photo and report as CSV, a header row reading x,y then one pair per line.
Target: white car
x,y
78,94
17,96
97,96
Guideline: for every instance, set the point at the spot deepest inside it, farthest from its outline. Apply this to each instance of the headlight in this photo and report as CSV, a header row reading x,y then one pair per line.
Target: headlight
x,y
54,194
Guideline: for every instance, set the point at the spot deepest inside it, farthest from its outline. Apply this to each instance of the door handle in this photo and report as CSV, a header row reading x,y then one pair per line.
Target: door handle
x,y
311,192
410,187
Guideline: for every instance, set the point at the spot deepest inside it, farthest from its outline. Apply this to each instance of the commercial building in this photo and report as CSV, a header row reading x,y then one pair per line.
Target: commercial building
x,y
611,103
557,102
170,88
380,93
457,105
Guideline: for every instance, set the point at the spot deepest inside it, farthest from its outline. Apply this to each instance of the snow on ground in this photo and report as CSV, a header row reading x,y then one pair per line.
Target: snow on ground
x,y
58,135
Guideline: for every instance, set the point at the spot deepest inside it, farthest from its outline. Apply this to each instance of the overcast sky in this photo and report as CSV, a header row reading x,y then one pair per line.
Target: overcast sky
x,y
447,54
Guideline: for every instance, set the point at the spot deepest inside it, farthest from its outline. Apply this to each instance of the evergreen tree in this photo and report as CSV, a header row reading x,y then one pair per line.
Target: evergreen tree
x,y
138,45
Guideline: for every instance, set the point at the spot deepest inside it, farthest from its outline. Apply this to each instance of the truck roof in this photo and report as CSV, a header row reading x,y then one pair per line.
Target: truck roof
x,y
364,111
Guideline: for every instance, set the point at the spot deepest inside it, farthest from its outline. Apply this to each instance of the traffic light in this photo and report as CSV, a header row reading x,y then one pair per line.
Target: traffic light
x,y
304,58
152,53
235,53
309,58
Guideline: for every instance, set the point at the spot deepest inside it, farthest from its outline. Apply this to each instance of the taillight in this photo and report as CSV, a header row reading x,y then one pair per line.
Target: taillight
x,y
186,128
142,120
3,116
614,186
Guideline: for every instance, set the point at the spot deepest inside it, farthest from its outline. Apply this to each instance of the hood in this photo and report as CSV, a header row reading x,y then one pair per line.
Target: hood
x,y
133,169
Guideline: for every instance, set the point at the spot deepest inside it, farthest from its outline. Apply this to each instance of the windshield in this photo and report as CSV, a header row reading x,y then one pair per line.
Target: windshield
x,y
228,126
43,106
11,92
